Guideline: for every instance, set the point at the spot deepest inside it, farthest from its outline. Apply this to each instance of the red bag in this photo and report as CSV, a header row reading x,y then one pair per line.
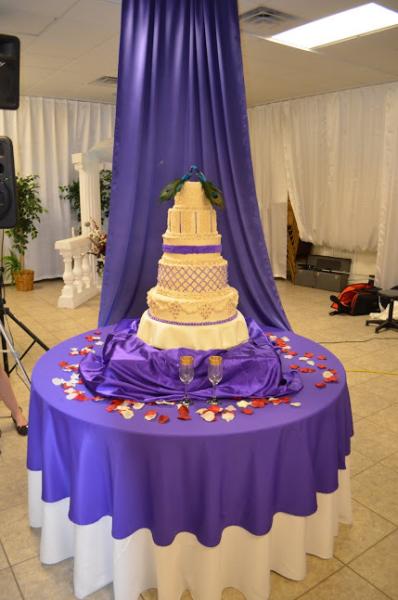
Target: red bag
x,y
356,299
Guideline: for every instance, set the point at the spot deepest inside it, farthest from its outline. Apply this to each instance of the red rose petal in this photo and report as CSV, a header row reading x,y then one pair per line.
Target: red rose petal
x,y
321,366
183,413
150,415
112,406
163,419
309,354
320,384
294,366
321,357
331,379
284,399
258,403
247,411
214,408
293,353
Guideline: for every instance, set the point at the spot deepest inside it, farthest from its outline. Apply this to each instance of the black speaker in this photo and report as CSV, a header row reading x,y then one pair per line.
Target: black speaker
x,y
8,190
9,71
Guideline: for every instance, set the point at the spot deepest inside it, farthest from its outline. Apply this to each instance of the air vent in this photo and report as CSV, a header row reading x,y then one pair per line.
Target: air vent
x,y
105,80
264,16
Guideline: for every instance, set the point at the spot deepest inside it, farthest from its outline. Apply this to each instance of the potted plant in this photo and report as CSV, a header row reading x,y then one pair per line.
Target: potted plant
x,y
12,265
29,210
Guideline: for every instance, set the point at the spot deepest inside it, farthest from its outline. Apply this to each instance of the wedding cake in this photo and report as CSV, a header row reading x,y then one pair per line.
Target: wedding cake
x,y
192,305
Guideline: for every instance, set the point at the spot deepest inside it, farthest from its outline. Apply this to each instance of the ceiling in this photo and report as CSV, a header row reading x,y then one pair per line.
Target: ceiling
x,y
67,44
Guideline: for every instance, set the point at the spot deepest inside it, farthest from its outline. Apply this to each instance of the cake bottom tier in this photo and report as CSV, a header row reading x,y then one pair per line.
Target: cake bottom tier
x,y
196,337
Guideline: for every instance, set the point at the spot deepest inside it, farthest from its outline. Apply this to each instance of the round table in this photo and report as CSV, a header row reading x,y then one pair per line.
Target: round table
x,y
188,503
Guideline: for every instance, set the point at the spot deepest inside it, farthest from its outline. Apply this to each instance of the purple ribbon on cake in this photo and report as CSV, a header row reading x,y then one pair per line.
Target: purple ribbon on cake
x,y
191,249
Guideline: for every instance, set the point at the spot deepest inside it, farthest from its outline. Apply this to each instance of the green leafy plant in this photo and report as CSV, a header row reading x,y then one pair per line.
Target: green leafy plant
x,y
212,192
29,211
71,192
12,265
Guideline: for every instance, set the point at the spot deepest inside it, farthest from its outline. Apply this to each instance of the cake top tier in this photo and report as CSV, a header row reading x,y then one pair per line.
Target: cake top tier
x,y
192,196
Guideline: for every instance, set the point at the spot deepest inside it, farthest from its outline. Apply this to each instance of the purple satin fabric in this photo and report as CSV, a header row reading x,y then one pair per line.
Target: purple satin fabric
x,y
191,249
129,368
181,101
187,475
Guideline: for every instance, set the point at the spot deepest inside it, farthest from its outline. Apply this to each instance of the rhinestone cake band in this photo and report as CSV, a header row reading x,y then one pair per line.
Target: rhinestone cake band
x,y
187,278
191,249
193,324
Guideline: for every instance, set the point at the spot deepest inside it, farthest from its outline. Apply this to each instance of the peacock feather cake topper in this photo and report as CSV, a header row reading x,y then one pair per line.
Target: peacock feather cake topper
x,y
211,191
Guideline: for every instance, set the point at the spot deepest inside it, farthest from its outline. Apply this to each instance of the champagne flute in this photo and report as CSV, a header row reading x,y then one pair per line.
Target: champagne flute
x,y
186,372
214,374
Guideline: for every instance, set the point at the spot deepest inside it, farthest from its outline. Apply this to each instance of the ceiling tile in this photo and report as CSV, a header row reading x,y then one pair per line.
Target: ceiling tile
x,y
52,8
101,60
46,61
33,76
23,21
70,38
97,12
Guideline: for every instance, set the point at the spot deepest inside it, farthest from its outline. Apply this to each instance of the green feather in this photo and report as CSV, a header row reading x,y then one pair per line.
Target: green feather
x,y
169,191
213,194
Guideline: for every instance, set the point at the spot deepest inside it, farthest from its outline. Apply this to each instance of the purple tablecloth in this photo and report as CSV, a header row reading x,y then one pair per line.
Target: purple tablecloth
x,y
188,475
127,367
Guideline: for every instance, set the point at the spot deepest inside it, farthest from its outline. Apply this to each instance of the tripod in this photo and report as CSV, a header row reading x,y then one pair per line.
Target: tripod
x,y
7,344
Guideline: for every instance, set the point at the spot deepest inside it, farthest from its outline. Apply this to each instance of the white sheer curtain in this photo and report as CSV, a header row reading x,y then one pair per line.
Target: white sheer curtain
x,y
335,155
45,132
387,248
271,184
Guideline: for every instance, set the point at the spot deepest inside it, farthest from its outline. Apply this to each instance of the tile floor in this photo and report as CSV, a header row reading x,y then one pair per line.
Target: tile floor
x,y
365,566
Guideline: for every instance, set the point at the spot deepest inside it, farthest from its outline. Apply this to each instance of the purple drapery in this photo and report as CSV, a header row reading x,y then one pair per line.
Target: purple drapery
x,y
181,101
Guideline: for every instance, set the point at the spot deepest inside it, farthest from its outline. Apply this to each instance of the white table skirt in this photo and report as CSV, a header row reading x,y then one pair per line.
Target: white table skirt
x,y
134,564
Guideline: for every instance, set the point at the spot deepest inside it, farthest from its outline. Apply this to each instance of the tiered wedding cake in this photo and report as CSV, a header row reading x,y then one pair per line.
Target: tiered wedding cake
x,y
192,305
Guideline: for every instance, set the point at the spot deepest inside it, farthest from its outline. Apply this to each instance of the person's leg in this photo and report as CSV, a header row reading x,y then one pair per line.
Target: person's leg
x,y
8,397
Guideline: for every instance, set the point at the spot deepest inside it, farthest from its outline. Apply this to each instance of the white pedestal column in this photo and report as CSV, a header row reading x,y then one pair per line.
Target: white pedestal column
x,y
88,168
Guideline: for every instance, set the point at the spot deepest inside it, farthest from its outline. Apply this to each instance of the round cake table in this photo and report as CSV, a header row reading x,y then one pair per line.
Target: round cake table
x,y
187,504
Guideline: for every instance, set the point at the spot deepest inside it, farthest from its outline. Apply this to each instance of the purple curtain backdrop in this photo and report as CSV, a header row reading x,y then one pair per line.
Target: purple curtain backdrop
x,y
181,101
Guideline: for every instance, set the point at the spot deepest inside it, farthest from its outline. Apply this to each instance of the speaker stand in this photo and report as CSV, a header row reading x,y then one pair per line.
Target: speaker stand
x,y
7,344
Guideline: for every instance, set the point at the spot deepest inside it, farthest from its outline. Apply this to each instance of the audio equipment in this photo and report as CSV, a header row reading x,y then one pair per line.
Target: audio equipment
x,y
8,192
9,71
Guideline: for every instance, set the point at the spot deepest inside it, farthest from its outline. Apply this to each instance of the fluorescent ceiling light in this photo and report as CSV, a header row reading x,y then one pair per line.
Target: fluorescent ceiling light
x,y
352,23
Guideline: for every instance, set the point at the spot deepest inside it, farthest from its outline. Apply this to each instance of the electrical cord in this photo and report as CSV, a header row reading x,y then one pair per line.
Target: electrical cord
x,y
371,339
369,371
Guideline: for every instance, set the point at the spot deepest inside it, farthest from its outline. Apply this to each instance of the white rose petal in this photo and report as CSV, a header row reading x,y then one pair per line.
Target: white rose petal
x,y
327,374
228,416
243,403
208,416
138,405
